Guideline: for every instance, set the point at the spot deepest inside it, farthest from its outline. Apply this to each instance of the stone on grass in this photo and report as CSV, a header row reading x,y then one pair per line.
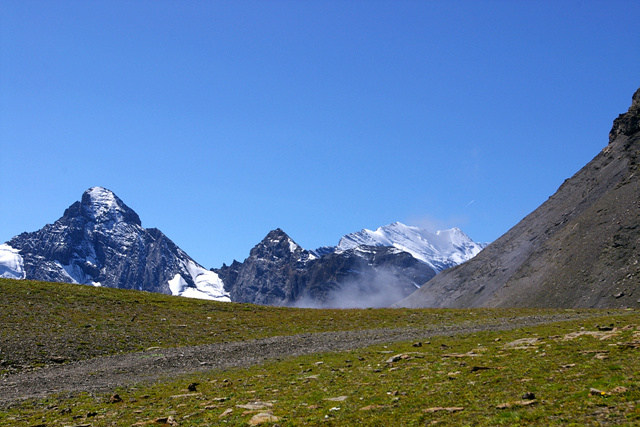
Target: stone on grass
x,y
446,409
619,390
263,417
336,399
179,396
524,343
601,335
225,413
508,405
255,406
459,355
403,356
372,407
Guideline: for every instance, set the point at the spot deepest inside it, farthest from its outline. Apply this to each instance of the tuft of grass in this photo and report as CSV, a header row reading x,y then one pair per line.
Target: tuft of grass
x,y
566,373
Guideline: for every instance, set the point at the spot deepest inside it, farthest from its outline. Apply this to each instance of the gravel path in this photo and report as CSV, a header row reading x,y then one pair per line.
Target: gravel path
x,y
104,374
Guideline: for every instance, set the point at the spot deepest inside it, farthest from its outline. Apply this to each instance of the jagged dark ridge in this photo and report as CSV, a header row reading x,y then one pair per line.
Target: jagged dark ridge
x,y
280,272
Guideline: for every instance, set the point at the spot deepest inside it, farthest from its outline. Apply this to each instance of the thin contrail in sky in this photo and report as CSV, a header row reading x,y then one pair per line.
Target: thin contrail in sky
x,y
469,204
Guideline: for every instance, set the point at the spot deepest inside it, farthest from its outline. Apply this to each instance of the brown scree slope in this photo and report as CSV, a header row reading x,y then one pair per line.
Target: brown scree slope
x,y
581,248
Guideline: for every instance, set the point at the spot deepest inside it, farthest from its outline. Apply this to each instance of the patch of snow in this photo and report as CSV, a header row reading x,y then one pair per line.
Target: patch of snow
x,y
102,202
197,293
177,285
96,284
72,272
292,246
11,263
107,212
208,284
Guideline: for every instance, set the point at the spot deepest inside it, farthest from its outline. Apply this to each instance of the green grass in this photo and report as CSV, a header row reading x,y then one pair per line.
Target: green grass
x,y
444,372
41,322
559,372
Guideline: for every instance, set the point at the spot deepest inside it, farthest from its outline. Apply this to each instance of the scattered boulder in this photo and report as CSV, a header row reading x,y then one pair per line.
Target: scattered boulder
x,y
459,355
524,343
179,396
615,390
508,405
402,356
336,399
162,420
263,417
255,406
601,335
480,368
372,407
446,409
226,412
619,390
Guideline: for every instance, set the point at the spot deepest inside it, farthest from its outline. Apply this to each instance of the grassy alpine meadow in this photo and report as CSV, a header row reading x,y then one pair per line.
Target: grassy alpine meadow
x,y
569,373
579,372
44,323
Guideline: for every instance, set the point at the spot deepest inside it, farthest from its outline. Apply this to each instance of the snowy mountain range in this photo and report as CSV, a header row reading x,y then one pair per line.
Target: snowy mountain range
x,y
100,241
440,250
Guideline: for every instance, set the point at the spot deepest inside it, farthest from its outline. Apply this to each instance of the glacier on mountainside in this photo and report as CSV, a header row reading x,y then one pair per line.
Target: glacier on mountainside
x,y
208,284
11,263
440,250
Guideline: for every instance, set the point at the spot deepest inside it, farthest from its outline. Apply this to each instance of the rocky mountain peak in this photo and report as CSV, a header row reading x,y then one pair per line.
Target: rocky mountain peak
x,y
100,205
277,242
100,241
629,122
276,235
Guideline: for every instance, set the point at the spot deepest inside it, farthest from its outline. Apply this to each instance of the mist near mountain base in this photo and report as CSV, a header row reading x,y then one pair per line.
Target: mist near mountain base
x,y
378,289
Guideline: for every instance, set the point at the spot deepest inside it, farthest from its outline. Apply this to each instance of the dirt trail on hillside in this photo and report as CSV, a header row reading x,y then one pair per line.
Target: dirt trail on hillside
x,y
104,374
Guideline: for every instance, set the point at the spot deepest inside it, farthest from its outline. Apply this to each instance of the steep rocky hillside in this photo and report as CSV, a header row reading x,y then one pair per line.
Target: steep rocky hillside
x,y
581,248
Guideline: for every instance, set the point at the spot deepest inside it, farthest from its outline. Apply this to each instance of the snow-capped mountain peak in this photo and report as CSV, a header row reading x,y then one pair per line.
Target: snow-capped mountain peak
x,y
100,241
101,202
440,250
102,205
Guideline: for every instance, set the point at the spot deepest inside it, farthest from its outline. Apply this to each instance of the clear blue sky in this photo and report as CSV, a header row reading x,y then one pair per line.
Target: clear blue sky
x,y
217,121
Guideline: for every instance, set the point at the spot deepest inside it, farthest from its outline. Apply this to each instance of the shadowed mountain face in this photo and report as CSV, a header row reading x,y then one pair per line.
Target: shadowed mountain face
x,y
279,272
581,248
100,241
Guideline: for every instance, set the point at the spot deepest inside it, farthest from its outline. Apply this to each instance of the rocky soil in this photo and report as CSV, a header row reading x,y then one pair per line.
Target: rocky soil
x,y
104,374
